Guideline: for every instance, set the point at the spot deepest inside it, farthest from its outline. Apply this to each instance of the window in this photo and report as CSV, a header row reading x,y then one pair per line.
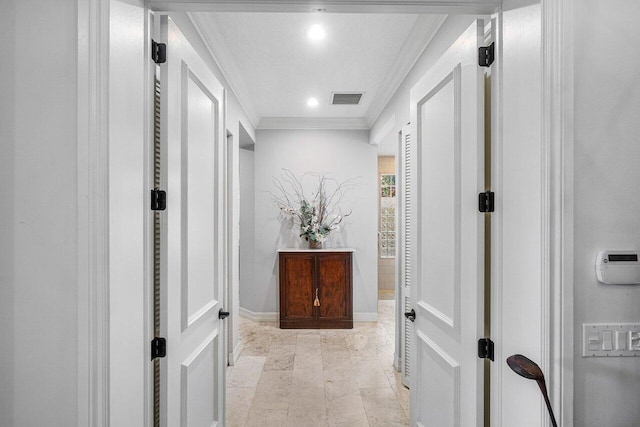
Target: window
x,y
387,216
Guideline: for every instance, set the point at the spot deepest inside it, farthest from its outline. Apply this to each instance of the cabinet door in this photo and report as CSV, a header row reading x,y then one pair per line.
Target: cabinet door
x,y
334,283
296,280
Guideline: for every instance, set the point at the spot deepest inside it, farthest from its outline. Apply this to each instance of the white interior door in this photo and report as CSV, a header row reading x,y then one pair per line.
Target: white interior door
x,y
447,118
195,140
406,252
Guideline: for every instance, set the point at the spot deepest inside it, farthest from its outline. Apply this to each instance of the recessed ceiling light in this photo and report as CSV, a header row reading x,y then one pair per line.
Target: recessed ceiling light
x,y
312,102
316,32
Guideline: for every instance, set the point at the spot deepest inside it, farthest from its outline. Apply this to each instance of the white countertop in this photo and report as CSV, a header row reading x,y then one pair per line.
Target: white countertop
x,y
316,250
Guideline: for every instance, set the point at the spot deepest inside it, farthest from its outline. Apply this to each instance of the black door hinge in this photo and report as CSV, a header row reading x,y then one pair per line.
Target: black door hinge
x,y
158,347
486,55
158,52
485,348
158,200
486,201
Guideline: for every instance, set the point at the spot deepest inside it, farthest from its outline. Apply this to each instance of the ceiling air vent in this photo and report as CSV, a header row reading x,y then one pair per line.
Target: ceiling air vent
x,y
352,98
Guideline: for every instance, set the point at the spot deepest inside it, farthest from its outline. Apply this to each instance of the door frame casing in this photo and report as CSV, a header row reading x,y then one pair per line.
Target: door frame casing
x,y
232,238
558,141
93,212
93,165
398,354
228,229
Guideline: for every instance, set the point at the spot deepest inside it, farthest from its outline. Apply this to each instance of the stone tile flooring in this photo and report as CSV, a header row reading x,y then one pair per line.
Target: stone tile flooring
x,y
312,377
384,294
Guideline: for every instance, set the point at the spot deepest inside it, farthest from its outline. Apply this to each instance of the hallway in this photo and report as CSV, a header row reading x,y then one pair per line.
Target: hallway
x,y
317,377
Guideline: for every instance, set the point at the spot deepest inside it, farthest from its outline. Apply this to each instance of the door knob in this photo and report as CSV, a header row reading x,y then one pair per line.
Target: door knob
x,y
223,314
411,315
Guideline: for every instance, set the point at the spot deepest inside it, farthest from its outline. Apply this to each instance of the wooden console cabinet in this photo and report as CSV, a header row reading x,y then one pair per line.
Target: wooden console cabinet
x,y
305,273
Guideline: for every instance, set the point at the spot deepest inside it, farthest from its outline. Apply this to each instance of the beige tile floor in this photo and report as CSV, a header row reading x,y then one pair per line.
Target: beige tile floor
x,y
384,294
316,377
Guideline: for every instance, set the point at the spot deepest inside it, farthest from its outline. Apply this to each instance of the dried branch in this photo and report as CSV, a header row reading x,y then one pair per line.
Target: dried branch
x,y
317,214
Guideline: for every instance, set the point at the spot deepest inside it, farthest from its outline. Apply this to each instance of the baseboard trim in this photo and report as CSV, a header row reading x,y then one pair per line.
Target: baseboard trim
x,y
365,317
235,353
268,316
396,362
265,316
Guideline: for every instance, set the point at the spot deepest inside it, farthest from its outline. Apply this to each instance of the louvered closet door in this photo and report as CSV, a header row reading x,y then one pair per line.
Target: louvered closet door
x,y
405,251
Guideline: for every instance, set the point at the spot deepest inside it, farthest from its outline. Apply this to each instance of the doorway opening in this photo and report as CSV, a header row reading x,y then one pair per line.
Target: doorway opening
x,y
284,375
311,346
387,228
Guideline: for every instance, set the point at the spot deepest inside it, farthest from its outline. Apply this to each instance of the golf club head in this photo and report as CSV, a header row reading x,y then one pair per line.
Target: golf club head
x,y
525,367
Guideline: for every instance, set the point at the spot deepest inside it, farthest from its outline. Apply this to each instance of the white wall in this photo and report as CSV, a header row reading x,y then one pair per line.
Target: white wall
x,y
396,113
38,212
247,224
343,155
8,19
607,199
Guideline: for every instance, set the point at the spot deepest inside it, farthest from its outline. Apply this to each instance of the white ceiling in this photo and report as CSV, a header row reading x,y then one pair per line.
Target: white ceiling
x,y
274,68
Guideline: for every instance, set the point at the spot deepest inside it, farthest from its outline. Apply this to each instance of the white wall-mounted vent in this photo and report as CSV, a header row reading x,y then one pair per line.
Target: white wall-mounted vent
x,y
342,98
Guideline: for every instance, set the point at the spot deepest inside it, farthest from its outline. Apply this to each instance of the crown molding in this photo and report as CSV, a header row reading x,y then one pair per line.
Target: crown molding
x,y
224,60
414,46
331,6
340,123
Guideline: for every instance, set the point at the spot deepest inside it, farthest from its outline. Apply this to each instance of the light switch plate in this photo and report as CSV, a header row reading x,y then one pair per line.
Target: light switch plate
x,y
611,340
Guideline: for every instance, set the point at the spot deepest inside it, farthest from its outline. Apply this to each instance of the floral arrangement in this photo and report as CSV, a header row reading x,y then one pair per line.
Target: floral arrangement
x,y
317,213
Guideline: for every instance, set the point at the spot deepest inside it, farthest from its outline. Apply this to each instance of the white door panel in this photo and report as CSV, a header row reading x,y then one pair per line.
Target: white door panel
x,y
193,380
439,292
198,192
197,384
447,120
